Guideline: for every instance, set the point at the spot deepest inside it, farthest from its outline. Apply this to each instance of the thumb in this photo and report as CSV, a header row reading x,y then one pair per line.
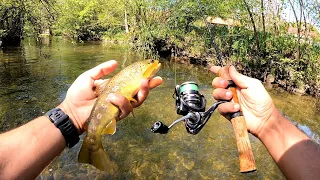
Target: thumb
x,y
240,80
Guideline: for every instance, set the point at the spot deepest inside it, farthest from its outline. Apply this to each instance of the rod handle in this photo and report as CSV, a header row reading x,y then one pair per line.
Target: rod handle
x,y
246,158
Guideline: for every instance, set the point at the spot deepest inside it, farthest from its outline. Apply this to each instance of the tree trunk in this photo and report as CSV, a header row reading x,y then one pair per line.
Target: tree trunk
x,y
12,22
298,26
126,21
253,24
264,29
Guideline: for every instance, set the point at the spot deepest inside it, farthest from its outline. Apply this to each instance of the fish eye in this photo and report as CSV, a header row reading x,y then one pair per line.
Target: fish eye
x,y
152,61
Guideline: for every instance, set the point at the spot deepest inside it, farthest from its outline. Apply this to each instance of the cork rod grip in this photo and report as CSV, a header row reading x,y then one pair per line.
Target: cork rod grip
x,y
246,158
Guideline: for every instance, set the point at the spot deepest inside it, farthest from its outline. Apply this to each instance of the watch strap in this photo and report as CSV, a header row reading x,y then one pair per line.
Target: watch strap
x,y
67,128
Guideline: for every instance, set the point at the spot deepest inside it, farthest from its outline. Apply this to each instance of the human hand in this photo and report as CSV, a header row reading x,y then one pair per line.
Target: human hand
x,y
255,102
81,96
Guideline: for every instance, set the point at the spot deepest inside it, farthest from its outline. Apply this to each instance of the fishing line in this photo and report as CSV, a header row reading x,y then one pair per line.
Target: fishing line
x,y
175,67
219,62
219,59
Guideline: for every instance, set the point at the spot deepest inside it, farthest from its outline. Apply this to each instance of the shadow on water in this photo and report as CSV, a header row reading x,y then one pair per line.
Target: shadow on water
x,y
35,78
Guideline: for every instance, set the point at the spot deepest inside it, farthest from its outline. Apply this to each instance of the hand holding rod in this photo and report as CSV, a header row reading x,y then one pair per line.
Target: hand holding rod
x,y
247,163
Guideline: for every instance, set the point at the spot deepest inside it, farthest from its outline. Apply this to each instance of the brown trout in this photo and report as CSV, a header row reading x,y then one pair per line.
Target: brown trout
x,y
103,116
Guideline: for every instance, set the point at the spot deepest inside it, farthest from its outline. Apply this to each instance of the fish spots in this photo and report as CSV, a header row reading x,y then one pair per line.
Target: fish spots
x,y
91,139
104,106
115,88
97,122
99,116
91,124
92,114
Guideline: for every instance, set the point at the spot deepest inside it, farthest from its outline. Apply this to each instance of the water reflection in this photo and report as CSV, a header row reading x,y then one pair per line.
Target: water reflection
x,y
35,78
305,129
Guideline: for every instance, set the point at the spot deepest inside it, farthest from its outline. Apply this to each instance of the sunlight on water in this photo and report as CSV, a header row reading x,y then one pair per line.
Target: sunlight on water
x,y
35,78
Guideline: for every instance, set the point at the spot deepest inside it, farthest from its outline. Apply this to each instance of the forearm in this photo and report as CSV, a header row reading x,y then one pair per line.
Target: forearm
x,y
27,150
295,153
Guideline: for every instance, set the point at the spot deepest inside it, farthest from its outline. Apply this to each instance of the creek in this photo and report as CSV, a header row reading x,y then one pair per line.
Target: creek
x,y
35,77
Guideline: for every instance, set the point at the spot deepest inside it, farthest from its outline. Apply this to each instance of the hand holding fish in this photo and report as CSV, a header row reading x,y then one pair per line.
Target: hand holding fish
x,y
130,85
81,95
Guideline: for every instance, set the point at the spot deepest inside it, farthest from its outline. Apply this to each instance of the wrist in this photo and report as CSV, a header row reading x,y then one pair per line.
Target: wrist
x,y
279,135
67,110
271,126
65,125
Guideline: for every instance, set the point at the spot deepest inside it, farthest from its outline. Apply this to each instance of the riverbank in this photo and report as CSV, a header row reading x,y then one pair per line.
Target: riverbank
x,y
274,72
278,65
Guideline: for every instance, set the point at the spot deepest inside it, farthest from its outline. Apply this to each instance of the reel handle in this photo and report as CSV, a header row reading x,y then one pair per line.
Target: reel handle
x,y
246,158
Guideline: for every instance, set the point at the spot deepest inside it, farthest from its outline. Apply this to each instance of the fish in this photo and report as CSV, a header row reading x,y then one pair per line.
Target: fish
x,y
102,119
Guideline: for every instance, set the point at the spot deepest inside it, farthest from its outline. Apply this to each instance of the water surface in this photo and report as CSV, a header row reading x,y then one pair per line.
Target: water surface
x,y
35,77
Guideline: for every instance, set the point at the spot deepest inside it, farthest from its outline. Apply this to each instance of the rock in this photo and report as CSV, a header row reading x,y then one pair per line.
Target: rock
x,y
270,79
298,91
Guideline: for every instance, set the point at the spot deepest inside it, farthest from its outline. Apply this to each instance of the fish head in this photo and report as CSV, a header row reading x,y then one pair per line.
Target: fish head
x,y
149,68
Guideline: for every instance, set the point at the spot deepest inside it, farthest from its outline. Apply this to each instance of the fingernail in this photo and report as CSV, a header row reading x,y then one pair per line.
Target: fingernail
x,y
236,107
228,93
222,82
110,96
121,115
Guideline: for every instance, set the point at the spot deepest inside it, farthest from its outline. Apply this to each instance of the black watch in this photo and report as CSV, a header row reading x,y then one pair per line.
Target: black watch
x,y
62,121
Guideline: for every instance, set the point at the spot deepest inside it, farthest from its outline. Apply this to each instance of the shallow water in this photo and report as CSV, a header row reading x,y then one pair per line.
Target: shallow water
x,y
35,78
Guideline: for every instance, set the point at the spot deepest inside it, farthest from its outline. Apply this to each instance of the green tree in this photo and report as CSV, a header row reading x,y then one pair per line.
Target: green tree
x,y
15,14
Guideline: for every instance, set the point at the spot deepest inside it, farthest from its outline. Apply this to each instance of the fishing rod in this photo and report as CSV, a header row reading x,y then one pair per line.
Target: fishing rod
x,y
246,158
219,62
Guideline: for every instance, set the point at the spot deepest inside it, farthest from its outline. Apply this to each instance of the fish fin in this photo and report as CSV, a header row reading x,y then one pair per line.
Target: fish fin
x,y
132,113
110,128
98,158
132,99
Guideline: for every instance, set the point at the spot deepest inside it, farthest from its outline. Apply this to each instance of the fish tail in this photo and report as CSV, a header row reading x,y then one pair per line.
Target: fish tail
x,y
98,158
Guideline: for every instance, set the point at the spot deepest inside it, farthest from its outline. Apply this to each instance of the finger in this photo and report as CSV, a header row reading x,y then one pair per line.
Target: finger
x,y
222,94
219,82
100,82
102,69
154,82
142,93
99,85
240,80
228,107
122,103
215,69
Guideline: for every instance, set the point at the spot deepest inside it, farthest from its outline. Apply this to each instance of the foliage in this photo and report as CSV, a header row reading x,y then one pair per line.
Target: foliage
x,y
79,20
259,43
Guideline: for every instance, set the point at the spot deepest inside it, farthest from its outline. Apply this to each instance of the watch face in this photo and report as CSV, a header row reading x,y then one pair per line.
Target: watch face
x,y
57,116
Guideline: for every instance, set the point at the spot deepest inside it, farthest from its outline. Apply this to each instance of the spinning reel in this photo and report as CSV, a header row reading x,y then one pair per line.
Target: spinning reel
x,y
191,104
